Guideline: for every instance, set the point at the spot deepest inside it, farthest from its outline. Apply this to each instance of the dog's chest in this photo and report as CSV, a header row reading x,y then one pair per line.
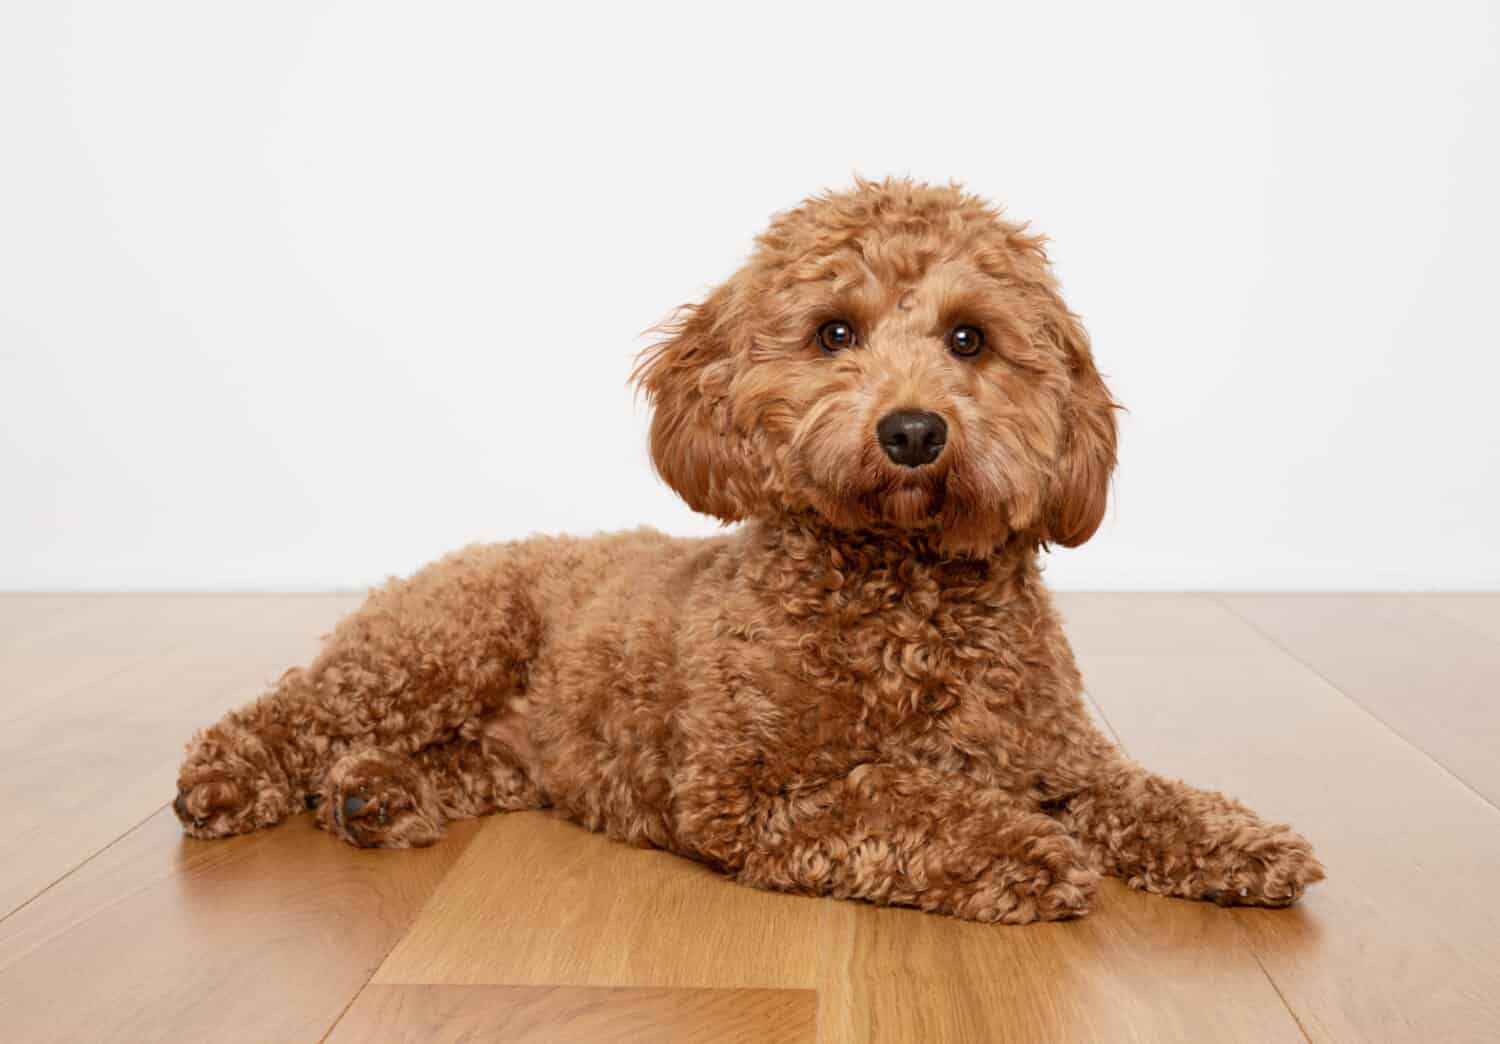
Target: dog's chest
x,y
903,658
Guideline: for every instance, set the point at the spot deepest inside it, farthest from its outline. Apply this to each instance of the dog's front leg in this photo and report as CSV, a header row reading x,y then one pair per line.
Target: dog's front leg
x,y
1164,836
901,836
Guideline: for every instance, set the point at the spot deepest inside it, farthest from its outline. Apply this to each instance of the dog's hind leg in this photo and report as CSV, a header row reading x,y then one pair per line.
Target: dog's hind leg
x,y
425,661
375,798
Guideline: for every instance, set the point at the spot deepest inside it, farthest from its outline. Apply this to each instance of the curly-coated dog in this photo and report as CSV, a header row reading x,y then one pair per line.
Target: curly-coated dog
x,y
863,691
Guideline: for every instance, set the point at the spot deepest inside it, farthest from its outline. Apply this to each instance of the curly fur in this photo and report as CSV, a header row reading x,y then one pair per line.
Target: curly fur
x,y
862,692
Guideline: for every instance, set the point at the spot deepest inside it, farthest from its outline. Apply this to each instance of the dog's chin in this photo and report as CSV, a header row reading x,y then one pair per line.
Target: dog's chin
x,y
965,506
909,505
913,506
958,519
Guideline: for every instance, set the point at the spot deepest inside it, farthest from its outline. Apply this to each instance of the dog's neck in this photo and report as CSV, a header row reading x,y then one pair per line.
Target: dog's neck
x,y
806,538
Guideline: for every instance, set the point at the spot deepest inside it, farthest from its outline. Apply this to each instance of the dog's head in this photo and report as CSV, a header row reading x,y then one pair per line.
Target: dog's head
x,y
896,355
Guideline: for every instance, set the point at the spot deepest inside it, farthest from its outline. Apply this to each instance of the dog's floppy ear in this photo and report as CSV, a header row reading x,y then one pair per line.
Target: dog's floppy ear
x,y
686,377
1080,489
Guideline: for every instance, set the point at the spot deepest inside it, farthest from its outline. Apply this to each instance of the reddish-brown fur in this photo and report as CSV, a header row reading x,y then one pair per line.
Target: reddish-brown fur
x,y
862,692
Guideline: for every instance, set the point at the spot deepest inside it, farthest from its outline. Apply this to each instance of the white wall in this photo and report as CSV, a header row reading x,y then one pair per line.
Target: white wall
x,y
299,295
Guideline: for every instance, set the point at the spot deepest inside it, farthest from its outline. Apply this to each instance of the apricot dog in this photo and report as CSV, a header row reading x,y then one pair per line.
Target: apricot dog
x,y
863,691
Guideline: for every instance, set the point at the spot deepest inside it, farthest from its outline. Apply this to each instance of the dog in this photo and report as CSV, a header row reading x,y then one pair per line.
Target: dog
x,y
864,690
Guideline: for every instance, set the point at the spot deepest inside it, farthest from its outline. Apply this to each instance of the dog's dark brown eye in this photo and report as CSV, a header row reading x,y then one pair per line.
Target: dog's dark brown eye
x,y
835,336
965,341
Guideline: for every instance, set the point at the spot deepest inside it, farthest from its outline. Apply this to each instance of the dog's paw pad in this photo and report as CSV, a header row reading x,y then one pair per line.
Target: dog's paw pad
x,y
1066,900
376,800
1275,873
1226,896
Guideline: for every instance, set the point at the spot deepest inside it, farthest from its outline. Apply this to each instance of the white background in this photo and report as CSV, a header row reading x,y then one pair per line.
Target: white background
x,y
298,295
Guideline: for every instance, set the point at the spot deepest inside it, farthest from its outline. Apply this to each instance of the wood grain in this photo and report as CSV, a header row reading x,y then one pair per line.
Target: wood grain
x,y
258,938
527,927
1398,943
539,901
1138,968
1476,611
26,619
100,706
1433,681
567,1014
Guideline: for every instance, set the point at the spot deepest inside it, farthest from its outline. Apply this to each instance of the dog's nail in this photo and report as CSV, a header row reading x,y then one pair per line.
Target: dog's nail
x,y
354,806
1244,891
199,822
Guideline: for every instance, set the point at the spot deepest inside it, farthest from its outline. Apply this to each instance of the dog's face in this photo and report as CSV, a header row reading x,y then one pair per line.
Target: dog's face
x,y
896,355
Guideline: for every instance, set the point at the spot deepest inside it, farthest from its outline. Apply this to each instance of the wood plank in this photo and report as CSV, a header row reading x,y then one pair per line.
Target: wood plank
x,y
100,635
1398,943
1475,610
263,937
82,762
1165,625
110,634
1139,968
540,901
566,1014
28,618
1434,681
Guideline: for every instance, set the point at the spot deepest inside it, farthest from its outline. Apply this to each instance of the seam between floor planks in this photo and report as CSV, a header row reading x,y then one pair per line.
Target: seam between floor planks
x,y
355,995
1317,992
1250,944
395,941
1360,704
111,843
51,932
1244,931
1459,622
210,668
1239,931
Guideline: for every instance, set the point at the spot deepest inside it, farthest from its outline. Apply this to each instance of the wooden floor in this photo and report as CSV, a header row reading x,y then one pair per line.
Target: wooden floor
x,y
1370,722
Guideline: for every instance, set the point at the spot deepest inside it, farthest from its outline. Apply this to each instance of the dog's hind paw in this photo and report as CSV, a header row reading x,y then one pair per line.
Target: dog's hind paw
x,y
230,784
377,799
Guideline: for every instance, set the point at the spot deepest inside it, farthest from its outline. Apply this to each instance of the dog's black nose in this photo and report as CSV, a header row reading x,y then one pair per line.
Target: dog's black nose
x,y
912,437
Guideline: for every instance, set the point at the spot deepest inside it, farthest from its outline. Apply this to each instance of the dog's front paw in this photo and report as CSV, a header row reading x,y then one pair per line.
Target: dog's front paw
x,y
1272,867
376,799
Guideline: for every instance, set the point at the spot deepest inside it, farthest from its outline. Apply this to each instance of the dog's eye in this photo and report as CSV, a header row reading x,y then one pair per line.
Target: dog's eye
x,y
835,336
965,341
